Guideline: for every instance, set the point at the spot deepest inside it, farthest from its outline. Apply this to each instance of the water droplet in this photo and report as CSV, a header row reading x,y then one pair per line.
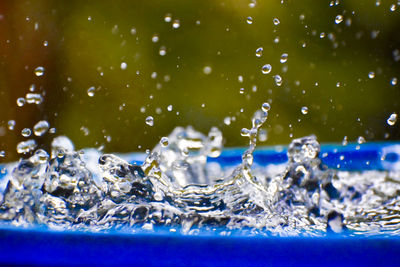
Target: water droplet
x,y
249,20
169,108
322,35
39,71
150,121
371,75
393,7
266,107
123,66
155,38
176,24
278,80
252,3
45,43
26,132
33,98
392,119
41,128
304,110
338,19
11,124
393,81
133,30
207,70
276,21
284,58
26,146
361,140
344,141
90,91
21,101
259,52
163,51
164,141
266,69
168,18
245,132
227,120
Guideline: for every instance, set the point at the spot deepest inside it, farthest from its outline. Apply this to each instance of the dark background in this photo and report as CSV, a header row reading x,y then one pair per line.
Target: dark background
x,y
88,41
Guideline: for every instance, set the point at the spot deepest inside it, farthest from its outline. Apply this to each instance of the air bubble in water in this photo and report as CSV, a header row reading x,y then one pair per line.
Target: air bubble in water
x,y
392,119
249,20
124,66
26,146
11,124
207,70
338,19
278,80
259,52
26,132
304,110
150,121
393,81
266,69
266,107
41,128
90,91
176,24
21,101
276,21
164,141
371,75
284,58
39,71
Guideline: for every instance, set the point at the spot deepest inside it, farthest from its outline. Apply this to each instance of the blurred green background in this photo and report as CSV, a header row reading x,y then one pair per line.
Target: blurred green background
x,y
117,47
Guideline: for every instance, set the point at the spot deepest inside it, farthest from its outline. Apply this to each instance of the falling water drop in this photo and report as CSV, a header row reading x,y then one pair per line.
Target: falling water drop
x,y
176,24
392,119
284,58
39,71
26,132
338,19
266,69
41,128
304,110
259,52
276,21
150,121
249,20
164,141
90,91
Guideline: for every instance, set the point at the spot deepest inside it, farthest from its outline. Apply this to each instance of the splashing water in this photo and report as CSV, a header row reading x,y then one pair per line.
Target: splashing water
x,y
178,188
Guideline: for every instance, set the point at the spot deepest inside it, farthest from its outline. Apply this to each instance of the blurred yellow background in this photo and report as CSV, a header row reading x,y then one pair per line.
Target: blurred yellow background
x,y
200,57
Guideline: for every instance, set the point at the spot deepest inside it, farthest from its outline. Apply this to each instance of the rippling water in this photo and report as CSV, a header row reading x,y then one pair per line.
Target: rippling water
x,y
178,189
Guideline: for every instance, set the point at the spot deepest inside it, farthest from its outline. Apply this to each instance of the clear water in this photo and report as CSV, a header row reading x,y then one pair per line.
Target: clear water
x,y
177,189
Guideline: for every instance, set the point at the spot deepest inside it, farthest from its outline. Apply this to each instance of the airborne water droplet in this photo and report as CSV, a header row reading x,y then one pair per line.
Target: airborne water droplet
x,y
259,52
393,81
276,21
176,24
90,91
278,80
21,101
304,110
284,58
168,18
371,75
124,66
266,69
249,20
39,71
164,141
26,146
26,132
392,119
266,107
338,19
207,70
11,124
150,121
163,51
41,128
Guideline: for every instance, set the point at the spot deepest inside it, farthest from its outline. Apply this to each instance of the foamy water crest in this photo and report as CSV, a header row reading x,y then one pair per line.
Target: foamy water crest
x,y
179,190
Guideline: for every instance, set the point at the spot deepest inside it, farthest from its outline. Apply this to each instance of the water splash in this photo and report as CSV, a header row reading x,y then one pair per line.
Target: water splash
x,y
179,188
